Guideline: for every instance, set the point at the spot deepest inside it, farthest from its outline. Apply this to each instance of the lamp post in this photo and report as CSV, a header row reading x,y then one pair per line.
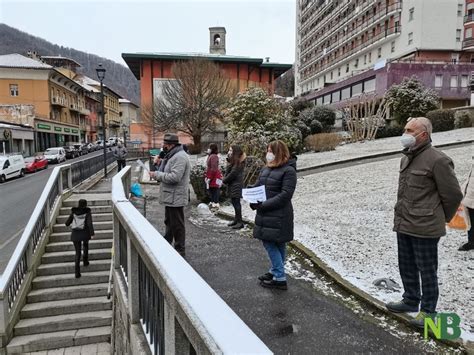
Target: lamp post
x,y
101,75
124,129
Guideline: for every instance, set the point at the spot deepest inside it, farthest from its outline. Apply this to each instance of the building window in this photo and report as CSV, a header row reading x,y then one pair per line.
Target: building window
x,y
468,33
458,35
346,93
392,48
332,75
439,81
365,59
339,71
411,14
13,90
454,81
464,81
379,52
347,68
460,10
370,57
410,38
356,63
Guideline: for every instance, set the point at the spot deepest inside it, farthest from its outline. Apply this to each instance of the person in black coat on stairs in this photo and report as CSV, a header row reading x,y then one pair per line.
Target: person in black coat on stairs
x,y
234,179
274,219
80,221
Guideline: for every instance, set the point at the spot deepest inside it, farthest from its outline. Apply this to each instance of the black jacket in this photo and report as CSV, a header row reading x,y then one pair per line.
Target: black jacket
x,y
274,219
81,235
234,179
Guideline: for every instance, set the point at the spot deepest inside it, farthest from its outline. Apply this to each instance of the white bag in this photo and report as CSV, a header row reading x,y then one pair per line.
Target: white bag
x,y
78,222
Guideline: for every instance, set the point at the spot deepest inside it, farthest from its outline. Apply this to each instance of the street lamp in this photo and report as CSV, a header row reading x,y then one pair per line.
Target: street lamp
x,y
101,75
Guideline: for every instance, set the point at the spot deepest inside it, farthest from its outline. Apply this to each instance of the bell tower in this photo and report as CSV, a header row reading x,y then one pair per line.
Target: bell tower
x,y
217,40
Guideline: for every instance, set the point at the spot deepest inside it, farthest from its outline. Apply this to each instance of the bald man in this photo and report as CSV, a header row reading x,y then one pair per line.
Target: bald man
x,y
428,197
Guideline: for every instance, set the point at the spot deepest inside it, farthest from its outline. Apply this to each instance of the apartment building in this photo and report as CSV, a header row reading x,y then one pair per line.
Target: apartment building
x,y
345,48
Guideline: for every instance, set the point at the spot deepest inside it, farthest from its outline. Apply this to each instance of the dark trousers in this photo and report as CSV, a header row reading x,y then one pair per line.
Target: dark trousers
x,y
85,258
121,164
418,258
237,208
214,192
175,228
470,232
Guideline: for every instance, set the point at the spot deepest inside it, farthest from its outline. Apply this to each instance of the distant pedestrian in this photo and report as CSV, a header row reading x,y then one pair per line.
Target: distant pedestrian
x,y
234,179
274,219
213,176
428,197
120,153
80,221
173,173
468,203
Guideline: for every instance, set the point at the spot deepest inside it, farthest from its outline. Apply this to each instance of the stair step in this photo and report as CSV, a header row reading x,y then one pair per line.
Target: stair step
x,y
94,209
55,308
68,268
90,203
63,322
69,246
68,256
66,236
95,348
108,225
98,217
67,292
49,341
62,280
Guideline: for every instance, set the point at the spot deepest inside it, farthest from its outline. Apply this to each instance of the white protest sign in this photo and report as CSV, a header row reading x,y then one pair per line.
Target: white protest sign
x,y
142,165
254,194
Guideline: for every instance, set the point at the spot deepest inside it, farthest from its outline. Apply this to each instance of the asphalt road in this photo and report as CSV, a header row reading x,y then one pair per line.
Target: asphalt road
x,y
18,198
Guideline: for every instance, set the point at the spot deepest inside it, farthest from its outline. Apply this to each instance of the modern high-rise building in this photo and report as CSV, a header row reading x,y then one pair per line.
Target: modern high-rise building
x,y
345,48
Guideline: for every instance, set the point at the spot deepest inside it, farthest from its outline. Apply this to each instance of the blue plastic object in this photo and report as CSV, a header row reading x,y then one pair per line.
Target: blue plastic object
x,y
136,190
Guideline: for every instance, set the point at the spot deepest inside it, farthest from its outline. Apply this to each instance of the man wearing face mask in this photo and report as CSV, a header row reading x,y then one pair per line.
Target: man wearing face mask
x,y
173,173
428,197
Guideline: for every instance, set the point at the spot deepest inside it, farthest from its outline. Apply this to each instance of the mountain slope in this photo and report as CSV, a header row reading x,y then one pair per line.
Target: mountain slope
x,y
118,77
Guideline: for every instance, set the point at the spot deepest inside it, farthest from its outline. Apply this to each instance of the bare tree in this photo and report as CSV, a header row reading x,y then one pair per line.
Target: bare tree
x,y
193,103
364,117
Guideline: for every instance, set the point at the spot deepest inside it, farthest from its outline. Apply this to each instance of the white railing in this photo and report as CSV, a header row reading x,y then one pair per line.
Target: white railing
x,y
164,293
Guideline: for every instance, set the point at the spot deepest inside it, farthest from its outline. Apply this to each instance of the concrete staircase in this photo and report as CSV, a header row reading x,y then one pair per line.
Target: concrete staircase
x,y
64,313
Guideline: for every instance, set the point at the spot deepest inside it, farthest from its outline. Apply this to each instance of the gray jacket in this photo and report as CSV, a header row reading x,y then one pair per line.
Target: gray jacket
x,y
428,193
120,153
174,178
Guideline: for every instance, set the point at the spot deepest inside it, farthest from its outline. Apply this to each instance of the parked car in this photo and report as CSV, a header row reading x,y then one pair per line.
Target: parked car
x,y
33,164
81,148
11,166
55,155
90,147
71,151
100,144
113,140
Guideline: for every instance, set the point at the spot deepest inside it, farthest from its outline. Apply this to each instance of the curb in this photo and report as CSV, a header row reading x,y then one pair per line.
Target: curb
x,y
349,287
373,156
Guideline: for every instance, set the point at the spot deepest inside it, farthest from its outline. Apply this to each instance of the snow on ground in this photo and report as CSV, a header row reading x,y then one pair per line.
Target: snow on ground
x,y
349,226
354,150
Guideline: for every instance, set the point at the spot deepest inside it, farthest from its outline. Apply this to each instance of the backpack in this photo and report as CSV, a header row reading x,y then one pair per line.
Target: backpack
x,y
78,222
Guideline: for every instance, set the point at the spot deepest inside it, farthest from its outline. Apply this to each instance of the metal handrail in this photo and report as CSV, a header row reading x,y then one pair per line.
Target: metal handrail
x,y
159,281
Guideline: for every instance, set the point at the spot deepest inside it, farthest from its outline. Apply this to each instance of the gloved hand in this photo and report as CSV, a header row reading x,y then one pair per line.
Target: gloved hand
x,y
255,206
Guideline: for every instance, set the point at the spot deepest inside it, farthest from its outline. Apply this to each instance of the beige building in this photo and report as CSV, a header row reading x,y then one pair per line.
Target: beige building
x,y
129,113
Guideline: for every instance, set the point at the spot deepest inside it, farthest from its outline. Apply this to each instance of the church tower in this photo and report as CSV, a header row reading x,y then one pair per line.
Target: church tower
x,y
217,40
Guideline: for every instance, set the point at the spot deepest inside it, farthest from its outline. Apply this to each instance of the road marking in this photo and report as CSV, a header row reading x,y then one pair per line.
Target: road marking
x,y
6,242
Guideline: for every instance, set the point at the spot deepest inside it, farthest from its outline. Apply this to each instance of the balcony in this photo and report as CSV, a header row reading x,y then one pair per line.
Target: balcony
x,y
58,101
469,18
468,44
84,111
75,108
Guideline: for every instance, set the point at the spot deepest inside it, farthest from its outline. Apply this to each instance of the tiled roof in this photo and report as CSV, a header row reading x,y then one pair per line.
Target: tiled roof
x,y
19,61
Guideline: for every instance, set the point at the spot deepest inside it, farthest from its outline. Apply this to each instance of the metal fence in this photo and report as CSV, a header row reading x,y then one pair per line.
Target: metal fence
x,y
16,279
177,310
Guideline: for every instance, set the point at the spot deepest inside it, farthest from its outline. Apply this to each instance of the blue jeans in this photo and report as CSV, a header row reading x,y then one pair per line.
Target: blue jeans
x,y
276,253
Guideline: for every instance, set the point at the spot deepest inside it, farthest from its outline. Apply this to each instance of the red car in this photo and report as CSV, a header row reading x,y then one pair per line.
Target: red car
x,y
35,163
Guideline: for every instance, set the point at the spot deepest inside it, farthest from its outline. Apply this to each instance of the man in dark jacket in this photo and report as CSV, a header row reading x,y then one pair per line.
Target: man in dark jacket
x,y
120,153
428,197
173,173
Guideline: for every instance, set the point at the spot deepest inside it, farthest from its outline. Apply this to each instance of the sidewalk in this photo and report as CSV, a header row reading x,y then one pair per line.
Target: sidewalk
x,y
302,320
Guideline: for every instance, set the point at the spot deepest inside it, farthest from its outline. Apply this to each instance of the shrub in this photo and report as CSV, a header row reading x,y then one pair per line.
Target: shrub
x,y
323,142
463,120
389,131
442,120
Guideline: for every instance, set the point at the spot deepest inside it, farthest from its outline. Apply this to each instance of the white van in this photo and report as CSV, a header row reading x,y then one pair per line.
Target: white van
x,y
55,154
11,166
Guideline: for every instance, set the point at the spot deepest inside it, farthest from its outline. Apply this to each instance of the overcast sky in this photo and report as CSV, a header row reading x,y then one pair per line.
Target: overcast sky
x,y
261,28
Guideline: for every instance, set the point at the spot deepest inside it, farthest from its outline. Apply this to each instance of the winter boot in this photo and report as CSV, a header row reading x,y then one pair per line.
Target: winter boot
x,y
238,220
467,246
233,223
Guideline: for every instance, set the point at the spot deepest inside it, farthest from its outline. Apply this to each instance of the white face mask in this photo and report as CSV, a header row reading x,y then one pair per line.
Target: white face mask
x,y
208,151
270,157
407,140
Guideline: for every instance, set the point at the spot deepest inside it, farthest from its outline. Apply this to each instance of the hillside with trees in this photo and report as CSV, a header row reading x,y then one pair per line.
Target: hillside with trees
x,y
118,77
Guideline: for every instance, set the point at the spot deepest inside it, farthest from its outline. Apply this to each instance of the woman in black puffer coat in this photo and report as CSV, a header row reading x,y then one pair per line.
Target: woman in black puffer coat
x,y
274,219
234,179
80,221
